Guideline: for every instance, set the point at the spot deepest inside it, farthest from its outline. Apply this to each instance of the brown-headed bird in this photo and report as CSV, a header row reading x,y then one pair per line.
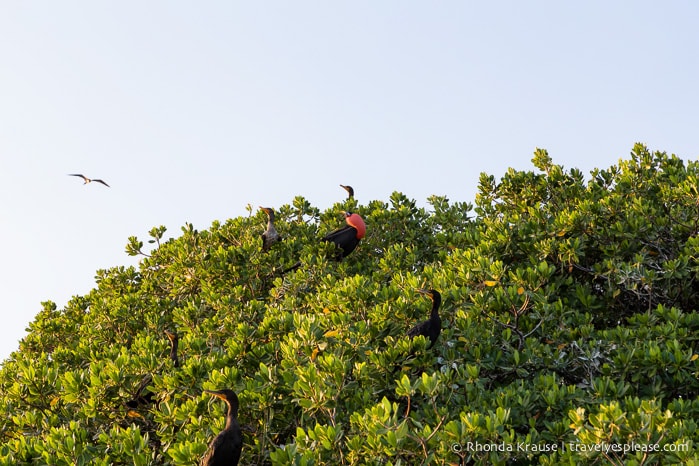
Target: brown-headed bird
x,y
226,446
174,341
350,191
144,397
348,237
88,180
270,236
432,327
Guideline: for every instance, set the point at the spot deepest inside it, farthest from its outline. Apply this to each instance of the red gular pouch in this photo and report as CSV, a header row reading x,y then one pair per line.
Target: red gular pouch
x,y
357,222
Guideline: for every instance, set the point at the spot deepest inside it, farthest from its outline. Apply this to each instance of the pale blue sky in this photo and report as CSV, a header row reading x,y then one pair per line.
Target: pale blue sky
x,y
192,110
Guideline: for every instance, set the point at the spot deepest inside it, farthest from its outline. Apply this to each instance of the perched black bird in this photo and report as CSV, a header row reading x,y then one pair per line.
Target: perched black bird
x,y
226,447
347,238
174,341
88,180
350,191
143,397
270,236
432,327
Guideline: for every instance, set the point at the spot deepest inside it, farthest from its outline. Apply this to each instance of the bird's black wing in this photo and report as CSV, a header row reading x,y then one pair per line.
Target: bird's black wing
x,y
341,233
345,238
420,329
225,449
100,181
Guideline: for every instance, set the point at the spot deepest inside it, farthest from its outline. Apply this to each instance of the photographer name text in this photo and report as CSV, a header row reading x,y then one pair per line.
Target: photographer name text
x,y
577,447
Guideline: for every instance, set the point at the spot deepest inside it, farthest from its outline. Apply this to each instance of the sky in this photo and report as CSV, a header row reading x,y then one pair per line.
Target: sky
x,y
192,111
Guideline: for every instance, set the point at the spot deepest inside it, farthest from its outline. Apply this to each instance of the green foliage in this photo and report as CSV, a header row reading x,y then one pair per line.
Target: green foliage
x,y
569,334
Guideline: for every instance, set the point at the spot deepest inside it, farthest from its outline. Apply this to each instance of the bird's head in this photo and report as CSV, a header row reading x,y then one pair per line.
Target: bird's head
x,y
349,189
269,211
226,395
356,221
433,294
171,336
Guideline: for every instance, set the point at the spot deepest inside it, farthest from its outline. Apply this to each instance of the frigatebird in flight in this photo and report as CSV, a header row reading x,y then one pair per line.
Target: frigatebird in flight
x,y
88,180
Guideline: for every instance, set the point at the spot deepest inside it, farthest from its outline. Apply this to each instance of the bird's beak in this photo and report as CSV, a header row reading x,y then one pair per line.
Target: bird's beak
x,y
170,335
422,290
215,393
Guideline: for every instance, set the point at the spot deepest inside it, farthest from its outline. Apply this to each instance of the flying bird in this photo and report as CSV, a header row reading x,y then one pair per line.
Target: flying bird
x,y
270,236
226,447
88,180
432,327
